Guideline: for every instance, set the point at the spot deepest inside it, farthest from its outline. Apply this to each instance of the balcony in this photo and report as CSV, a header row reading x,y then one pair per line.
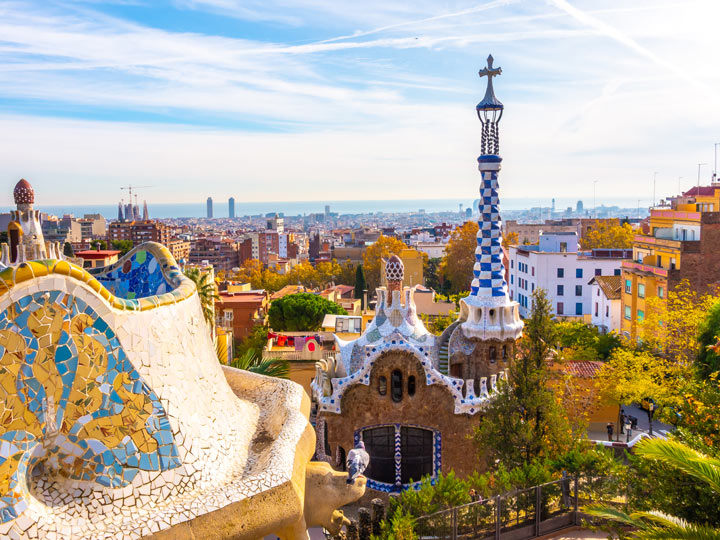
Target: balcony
x,y
298,355
648,268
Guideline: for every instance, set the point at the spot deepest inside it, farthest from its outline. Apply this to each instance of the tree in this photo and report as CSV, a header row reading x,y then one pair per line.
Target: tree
x,y
347,273
122,245
510,239
255,342
207,291
631,376
671,326
360,284
433,277
459,260
98,244
270,367
655,524
68,250
438,324
525,421
604,234
708,358
301,312
382,248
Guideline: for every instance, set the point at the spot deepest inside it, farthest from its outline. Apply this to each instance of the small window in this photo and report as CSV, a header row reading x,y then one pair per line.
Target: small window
x,y
578,290
533,270
628,286
411,385
382,385
607,311
578,272
597,307
628,312
641,290
396,390
560,290
512,264
640,315
661,292
560,308
504,353
598,272
578,308
563,247
616,272
493,355
560,272
512,279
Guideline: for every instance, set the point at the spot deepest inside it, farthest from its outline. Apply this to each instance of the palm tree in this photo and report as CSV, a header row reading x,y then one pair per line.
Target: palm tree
x,y
271,367
658,525
206,291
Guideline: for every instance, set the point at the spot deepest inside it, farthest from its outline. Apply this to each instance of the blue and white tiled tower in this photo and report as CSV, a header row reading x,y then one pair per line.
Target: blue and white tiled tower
x,y
488,313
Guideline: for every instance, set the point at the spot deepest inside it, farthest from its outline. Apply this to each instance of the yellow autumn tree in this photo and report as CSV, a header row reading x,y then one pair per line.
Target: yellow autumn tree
x,y
510,239
604,234
457,264
671,326
382,248
630,376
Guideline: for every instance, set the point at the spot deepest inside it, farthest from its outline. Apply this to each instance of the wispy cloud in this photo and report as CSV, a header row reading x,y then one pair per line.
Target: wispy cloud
x,y
395,85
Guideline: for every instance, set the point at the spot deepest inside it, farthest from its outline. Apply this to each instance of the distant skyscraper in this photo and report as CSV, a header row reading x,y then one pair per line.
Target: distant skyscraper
x,y
327,210
209,207
121,217
231,207
146,214
579,207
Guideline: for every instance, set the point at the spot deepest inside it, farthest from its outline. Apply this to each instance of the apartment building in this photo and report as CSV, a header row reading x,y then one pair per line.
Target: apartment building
x,y
556,265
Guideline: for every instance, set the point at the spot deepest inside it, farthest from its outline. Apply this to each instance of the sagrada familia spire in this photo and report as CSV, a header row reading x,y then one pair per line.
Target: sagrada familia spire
x,y
490,322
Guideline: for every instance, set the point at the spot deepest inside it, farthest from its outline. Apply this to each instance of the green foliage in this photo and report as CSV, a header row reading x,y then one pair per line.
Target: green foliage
x,y
708,359
207,291
270,367
98,244
255,342
695,468
400,527
580,341
360,283
68,250
301,312
448,491
433,276
122,245
525,421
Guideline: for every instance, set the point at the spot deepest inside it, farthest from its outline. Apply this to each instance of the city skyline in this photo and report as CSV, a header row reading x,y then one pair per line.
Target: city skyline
x,y
334,102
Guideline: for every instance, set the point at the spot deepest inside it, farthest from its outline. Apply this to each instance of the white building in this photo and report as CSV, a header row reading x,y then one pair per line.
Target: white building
x,y
606,299
556,265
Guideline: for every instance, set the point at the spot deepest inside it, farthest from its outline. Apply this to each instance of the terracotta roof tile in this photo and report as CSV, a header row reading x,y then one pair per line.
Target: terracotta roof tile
x,y
610,285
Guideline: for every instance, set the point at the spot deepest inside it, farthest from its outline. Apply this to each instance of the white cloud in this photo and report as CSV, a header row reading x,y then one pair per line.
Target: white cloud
x,y
385,111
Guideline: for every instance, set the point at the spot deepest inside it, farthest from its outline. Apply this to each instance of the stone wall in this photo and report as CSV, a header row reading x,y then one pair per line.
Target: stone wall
x,y
430,407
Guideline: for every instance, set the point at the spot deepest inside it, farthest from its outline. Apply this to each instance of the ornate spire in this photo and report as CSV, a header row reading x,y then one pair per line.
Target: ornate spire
x,y
489,312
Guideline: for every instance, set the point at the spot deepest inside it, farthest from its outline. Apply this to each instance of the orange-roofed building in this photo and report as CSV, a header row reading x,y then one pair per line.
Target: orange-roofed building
x,y
97,258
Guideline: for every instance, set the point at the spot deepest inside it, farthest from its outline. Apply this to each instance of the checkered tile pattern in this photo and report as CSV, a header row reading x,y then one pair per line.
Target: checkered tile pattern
x,y
489,271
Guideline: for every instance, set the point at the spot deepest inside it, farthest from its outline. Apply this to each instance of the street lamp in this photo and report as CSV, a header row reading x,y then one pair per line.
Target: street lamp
x,y
651,409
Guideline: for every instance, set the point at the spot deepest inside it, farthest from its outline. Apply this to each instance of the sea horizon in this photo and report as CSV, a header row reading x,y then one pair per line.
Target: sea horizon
x,y
300,208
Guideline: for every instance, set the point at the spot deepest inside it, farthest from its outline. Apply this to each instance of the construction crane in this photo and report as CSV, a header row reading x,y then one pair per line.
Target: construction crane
x,y
130,187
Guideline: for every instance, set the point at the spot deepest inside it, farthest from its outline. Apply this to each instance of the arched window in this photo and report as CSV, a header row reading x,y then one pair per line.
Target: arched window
x,y
504,352
493,355
396,390
382,385
418,454
411,385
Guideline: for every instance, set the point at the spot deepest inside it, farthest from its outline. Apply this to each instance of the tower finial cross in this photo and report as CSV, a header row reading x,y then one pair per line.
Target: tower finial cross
x,y
489,71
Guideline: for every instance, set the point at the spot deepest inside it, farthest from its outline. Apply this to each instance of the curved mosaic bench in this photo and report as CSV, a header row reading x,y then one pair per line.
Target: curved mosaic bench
x,y
117,420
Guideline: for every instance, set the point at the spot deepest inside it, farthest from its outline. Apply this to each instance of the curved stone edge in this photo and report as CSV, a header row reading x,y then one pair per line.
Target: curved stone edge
x,y
183,287
280,506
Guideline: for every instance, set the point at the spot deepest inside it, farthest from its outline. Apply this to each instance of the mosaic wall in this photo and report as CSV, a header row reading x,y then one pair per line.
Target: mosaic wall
x,y
117,420
72,403
137,276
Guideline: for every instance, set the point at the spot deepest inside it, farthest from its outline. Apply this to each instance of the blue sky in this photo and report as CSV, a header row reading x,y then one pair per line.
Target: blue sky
x,y
313,100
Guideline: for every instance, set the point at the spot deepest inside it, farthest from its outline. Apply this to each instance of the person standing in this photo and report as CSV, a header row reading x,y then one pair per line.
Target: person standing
x,y
610,429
